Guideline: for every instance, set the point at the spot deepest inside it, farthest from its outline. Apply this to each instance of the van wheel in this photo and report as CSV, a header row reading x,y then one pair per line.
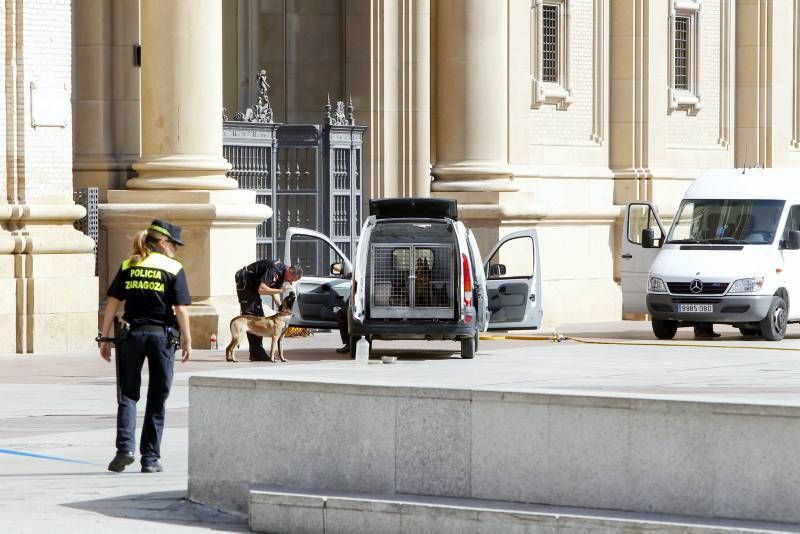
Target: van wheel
x,y
664,329
773,326
468,348
749,331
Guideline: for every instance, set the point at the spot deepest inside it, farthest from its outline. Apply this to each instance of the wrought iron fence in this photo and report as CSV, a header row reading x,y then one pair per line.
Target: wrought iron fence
x,y
88,197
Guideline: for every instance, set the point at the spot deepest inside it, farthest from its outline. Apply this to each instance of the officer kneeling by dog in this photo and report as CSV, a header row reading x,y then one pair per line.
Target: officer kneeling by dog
x,y
262,277
150,282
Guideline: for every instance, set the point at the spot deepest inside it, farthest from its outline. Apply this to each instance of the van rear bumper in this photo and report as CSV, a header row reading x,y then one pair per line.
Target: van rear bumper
x,y
421,329
728,309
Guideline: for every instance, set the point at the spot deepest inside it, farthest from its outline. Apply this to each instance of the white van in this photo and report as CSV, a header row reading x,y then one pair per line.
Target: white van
x,y
417,274
731,255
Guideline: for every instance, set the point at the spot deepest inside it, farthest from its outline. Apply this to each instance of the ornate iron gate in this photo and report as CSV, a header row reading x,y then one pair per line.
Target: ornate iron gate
x,y
309,175
343,141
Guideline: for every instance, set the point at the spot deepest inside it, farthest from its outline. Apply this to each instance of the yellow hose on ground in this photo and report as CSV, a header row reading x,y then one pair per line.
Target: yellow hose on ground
x,y
557,338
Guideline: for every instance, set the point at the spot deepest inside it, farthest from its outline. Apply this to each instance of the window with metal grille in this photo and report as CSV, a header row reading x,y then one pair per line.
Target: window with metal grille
x,y
550,43
682,53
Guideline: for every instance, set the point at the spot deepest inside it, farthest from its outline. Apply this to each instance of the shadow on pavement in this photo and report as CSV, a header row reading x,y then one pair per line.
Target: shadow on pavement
x,y
168,507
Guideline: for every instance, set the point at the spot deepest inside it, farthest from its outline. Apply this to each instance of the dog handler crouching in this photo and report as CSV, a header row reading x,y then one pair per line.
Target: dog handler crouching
x,y
262,277
150,282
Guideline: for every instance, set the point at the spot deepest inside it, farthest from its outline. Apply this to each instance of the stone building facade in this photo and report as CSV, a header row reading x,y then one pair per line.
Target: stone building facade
x,y
547,114
48,291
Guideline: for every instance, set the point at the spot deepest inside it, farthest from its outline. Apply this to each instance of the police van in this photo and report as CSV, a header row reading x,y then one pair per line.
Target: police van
x,y
731,255
417,273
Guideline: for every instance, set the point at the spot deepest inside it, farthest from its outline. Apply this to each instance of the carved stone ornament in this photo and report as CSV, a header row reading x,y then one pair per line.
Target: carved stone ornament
x,y
340,118
262,111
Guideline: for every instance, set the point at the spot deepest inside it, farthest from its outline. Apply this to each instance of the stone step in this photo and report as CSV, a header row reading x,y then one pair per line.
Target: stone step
x,y
671,455
279,510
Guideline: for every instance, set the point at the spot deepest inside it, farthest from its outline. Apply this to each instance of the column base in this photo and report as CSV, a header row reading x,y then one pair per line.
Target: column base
x,y
182,172
219,229
56,296
47,275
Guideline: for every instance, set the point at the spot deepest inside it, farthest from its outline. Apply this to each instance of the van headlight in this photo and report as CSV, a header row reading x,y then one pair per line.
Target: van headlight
x,y
746,285
656,285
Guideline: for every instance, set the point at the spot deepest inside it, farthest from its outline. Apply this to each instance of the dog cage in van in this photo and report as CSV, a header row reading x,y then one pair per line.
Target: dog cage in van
x,y
412,271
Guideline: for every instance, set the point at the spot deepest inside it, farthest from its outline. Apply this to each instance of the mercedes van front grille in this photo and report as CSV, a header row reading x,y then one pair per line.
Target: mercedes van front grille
x,y
695,288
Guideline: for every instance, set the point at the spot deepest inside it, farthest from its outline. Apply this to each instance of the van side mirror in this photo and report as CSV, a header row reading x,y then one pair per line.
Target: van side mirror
x,y
337,269
496,270
648,238
793,241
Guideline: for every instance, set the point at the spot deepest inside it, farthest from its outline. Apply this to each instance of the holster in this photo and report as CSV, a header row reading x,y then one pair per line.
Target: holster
x,y
242,278
121,330
174,337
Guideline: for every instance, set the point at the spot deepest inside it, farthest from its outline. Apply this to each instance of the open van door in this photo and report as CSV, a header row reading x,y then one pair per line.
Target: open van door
x,y
514,282
637,256
325,285
479,283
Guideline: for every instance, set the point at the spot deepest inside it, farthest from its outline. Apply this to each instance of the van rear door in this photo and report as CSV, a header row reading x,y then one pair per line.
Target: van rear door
x,y
514,282
321,292
637,260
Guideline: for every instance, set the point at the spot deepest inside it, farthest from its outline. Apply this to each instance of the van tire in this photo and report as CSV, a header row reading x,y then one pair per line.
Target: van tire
x,y
773,326
468,348
664,329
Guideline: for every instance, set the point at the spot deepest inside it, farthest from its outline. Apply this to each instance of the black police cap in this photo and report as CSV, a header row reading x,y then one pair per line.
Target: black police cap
x,y
172,231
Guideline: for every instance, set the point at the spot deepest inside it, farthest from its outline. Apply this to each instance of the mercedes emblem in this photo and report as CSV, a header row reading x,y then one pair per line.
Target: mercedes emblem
x,y
695,286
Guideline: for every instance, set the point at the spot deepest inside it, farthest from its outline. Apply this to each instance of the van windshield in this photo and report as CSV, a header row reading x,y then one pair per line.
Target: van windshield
x,y
726,222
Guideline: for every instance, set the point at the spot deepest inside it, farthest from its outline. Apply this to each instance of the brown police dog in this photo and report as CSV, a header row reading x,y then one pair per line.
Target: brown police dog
x,y
274,327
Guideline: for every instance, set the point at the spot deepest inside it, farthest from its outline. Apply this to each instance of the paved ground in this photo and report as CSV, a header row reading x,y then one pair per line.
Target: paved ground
x,y
63,406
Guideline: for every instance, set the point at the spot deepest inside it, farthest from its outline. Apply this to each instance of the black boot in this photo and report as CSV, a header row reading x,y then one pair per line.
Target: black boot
x,y
120,461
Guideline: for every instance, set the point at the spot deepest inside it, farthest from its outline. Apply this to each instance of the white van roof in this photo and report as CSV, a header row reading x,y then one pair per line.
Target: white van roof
x,y
765,184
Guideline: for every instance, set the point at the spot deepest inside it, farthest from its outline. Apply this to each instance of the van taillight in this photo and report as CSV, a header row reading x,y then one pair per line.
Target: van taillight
x,y
467,280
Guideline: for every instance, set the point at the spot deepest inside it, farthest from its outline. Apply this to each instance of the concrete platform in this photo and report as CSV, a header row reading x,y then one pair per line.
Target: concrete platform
x,y
710,431
277,509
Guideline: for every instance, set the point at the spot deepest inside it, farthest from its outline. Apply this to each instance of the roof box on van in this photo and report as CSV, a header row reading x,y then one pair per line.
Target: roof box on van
x,y
427,208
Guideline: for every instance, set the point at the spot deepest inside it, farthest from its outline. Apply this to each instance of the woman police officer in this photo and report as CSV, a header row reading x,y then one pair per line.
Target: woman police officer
x,y
150,282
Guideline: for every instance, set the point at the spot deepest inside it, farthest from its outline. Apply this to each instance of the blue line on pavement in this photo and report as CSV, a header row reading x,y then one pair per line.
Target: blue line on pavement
x,y
44,456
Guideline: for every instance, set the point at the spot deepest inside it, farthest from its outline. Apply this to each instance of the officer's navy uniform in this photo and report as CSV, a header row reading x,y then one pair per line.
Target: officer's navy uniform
x,y
248,279
149,289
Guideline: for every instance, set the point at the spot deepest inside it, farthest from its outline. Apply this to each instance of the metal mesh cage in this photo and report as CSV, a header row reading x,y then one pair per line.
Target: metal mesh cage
x,y
412,281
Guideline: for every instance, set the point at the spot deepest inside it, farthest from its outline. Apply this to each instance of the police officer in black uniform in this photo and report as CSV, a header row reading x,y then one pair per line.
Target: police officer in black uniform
x,y
262,277
151,283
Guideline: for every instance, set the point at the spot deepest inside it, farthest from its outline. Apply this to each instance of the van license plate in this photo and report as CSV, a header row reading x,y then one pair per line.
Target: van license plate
x,y
695,308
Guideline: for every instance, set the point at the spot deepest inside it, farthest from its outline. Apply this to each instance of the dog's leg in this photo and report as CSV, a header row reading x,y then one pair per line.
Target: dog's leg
x,y
280,345
272,350
230,350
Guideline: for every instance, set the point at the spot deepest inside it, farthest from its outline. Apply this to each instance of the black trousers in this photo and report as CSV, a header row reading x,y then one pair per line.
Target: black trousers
x,y
250,303
141,344
341,320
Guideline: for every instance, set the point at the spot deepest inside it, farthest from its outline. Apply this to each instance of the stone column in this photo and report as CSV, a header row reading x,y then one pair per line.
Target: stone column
x,y
471,96
181,97
181,173
638,97
767,128
105,99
